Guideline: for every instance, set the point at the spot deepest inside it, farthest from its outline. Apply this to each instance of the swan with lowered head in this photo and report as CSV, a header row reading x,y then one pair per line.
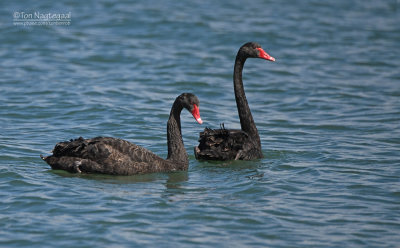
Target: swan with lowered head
x,y
106,155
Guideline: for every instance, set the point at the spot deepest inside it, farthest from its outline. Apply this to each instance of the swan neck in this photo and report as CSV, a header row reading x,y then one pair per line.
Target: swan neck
x,y
246,118
176,148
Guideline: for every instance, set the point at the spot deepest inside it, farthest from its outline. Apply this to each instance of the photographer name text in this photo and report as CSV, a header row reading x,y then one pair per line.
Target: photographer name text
x,y
41,16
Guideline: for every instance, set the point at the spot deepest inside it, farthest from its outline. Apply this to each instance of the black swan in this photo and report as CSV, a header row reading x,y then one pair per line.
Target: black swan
x,y
244,144
105,155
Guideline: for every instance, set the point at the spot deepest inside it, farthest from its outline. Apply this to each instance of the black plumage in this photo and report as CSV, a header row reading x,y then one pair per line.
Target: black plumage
x,y
106,155
244,144
224,144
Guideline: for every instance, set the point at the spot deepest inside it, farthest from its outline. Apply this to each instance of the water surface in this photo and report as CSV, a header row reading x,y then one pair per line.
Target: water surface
x,y
328,113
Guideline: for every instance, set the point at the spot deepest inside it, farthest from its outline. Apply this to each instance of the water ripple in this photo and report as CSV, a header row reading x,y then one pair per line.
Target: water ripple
x,y
327,112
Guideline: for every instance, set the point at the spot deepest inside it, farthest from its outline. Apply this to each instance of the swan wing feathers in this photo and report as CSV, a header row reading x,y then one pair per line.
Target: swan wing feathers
x,y
101,148
222,144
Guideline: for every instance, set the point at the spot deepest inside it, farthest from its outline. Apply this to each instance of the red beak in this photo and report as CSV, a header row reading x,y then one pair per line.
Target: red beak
x,y
265,55
196,114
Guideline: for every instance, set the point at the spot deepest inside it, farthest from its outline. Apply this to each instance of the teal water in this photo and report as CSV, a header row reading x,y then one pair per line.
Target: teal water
x,y
328,113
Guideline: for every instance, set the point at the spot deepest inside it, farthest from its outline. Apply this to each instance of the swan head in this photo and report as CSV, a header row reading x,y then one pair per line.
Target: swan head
x,y
190,102
254,50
